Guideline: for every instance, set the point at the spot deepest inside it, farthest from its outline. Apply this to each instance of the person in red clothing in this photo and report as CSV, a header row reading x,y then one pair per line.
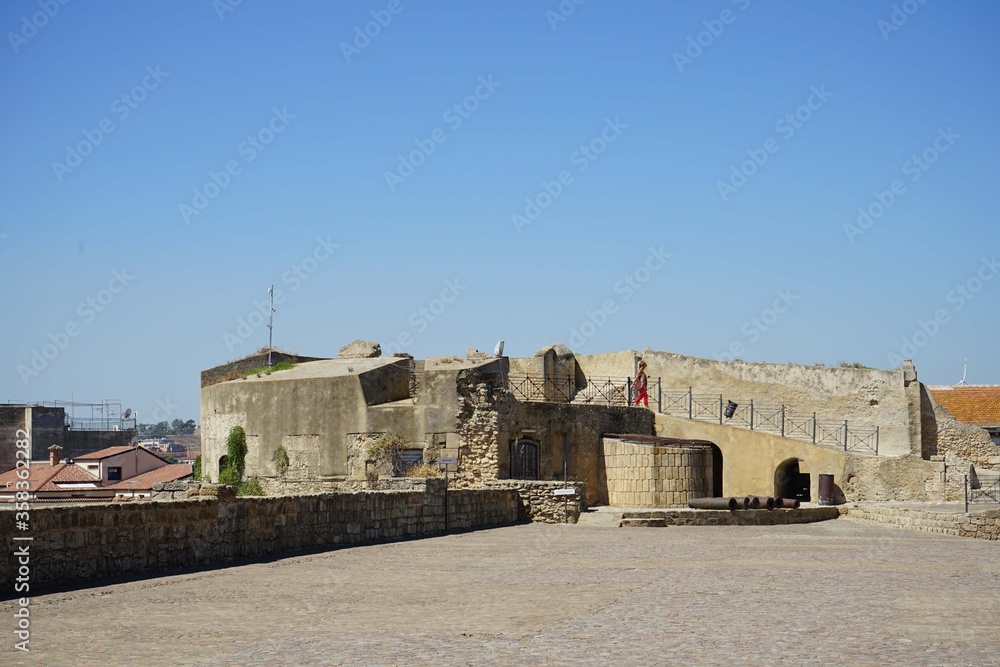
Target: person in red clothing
x,y
640,385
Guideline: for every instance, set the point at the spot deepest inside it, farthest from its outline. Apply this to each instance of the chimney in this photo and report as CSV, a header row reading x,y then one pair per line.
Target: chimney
x,y
54,455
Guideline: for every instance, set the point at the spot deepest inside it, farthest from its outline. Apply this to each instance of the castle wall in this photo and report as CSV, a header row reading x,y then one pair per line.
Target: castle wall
x,y
81,545
864,397
299,413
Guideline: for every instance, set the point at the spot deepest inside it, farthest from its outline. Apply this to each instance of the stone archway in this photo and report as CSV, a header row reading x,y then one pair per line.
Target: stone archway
x,y
716,471
791,481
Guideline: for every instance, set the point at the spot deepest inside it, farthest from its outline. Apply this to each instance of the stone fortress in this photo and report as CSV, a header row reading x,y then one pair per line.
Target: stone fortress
x,y
560,416
537,439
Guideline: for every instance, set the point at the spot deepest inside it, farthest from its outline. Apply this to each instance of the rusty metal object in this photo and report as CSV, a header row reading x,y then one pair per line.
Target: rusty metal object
x,y
714,503
762,502
787,503
745,502
826,490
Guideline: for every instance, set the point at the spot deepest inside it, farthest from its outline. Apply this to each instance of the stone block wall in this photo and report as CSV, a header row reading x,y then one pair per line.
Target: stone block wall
x,y
539,502
903,478
969,442
83,544
982,524
656,476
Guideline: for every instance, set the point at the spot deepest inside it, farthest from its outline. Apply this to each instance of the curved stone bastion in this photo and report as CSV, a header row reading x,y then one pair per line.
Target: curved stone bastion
x,y
651,472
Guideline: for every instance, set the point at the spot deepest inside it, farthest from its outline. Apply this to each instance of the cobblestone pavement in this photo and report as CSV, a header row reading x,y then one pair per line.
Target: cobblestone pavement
x,y
831,593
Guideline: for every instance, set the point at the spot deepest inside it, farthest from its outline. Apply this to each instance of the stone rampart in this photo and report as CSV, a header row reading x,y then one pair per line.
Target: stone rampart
x,y
982,524
74,546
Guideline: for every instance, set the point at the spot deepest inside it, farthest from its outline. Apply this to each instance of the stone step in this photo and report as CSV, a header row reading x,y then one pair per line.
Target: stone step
x,y
600,519
645,522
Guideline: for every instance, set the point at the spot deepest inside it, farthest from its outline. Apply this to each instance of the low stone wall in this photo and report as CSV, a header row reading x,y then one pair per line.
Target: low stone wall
x,y
659,518
539,502
277,486
641,475
82,544
980,524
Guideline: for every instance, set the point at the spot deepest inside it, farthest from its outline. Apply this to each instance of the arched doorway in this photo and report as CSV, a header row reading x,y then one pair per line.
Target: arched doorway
x,y
524,459
716,471
790,481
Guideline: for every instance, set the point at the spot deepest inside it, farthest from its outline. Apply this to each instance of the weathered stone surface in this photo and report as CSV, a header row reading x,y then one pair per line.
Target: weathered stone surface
x,y
984,525
539,502
360,349
111,540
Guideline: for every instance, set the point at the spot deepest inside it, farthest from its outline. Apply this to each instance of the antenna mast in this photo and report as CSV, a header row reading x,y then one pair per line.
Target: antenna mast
x,y
270,326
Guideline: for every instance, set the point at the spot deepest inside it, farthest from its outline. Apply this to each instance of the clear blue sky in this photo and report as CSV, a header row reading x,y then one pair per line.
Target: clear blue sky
x,y
831,102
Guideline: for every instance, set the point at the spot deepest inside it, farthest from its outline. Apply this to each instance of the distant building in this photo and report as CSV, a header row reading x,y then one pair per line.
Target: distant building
x,y
75,427
114,472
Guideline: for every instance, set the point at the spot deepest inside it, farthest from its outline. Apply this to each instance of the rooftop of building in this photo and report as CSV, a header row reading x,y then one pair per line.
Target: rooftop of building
x,y
972,404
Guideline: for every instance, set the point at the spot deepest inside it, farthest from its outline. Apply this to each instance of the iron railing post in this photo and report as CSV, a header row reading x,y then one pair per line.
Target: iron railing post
x,y
690,403
782,420
845,435
876,441
628,384
720,408
659,394
966,494
814,428
751,414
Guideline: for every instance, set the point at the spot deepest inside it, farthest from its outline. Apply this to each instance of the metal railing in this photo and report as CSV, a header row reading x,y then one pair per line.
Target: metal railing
x,y
100,424
977,493
775,419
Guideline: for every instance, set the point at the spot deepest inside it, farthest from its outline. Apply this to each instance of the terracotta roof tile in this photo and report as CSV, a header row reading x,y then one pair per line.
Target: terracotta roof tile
x,y
145,481
104,453
44,477
979,405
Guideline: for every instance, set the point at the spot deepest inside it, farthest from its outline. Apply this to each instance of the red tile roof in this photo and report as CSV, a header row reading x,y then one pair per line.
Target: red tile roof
x,y
972,404
145,481
44,477
104,453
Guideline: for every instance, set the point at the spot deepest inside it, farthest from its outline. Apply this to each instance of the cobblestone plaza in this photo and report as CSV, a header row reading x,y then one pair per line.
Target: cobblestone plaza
x,y
830,593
